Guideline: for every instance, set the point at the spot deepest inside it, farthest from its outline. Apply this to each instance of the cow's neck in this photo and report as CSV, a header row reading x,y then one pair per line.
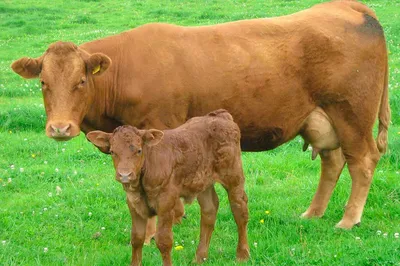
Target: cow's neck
x,y
100,114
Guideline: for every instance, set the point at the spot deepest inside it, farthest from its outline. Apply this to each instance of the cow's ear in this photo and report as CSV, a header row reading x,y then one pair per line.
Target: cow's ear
x,y
97,63
28,68
100,139
152,137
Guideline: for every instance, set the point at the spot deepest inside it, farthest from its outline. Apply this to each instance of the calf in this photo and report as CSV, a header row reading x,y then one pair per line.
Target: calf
x,y
157,168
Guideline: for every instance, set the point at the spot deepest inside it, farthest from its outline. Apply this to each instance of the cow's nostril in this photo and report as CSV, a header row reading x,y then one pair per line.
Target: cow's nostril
x,y
60,131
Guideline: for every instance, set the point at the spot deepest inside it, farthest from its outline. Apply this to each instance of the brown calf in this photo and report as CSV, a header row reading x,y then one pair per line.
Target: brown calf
x,y
157,168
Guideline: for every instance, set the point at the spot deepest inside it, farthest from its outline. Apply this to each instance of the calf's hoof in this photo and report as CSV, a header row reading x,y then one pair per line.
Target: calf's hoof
x,y
242,254
200,259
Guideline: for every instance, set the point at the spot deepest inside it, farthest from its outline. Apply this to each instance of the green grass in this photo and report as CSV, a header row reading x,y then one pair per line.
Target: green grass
x,y
33,216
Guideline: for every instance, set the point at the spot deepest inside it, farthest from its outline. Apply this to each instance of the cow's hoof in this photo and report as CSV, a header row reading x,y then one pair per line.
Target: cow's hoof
x,y
311,214
347,224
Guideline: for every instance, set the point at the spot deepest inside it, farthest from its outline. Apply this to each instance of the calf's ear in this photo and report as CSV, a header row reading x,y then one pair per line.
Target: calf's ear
x,y
97,63
152,137
28,68
100,139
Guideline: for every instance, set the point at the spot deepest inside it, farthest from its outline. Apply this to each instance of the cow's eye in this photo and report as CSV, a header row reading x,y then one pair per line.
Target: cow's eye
x,y
83,81
139,151
42,82
111,153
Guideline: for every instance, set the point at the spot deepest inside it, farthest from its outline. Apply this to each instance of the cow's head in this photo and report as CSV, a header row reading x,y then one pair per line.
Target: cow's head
x,y
66,75
126,145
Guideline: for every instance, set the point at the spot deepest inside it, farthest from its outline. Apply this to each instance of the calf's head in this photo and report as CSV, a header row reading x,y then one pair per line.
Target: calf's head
x,y
66,75
127,147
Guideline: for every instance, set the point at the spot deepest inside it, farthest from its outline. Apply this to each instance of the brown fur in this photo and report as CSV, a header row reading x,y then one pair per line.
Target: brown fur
x,y
270,74
156,169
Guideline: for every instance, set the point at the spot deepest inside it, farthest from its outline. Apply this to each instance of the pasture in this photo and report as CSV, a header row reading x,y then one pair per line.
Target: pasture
x,y
60,204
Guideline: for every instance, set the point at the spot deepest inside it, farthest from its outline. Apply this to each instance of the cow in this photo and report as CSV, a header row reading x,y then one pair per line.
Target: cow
x,y
273,75
156,168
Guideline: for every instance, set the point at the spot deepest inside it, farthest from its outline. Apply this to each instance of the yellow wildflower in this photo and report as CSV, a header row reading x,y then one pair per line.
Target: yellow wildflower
x,y
33,155
267,212
178,248
261,221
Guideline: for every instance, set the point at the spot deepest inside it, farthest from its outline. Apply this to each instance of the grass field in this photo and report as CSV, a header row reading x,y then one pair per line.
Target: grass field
x,y
60,204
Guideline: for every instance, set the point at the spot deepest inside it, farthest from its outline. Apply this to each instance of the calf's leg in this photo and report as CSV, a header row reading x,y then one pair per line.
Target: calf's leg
x,y
332,163
208,201
238,201
164,237
137,237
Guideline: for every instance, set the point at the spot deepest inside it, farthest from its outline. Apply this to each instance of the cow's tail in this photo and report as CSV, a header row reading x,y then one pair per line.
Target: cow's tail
x,y
384,116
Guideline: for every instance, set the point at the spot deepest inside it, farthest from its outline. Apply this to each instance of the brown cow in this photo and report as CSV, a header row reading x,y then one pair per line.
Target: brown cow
x,y
157,168
270,74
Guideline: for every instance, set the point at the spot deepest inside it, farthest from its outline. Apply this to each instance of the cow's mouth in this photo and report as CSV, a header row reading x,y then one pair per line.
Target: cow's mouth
x,y
62,138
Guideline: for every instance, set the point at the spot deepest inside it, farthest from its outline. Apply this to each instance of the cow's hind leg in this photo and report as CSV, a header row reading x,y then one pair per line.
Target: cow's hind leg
x,y
361,162
209,203
150,229
238,201
332,163
354,129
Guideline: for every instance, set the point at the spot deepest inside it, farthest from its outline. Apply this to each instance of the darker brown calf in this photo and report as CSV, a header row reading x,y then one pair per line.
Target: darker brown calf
x,y
157,168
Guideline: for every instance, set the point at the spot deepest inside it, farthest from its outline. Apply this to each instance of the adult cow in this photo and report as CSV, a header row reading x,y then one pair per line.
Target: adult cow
x,y
270,74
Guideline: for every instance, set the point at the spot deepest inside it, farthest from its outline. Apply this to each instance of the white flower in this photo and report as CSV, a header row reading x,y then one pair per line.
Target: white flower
x,y
63,150
44,209
9,180
103,228
45,250
57,170
3,242
21,169
385,235
379,232
58,190
192,242
45,162
358,238
12,167
396,235
255,244
75,172
50,194
25,139
90,214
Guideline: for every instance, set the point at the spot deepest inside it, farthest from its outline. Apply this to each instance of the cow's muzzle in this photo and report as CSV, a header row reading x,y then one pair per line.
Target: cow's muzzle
x,y
62,131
